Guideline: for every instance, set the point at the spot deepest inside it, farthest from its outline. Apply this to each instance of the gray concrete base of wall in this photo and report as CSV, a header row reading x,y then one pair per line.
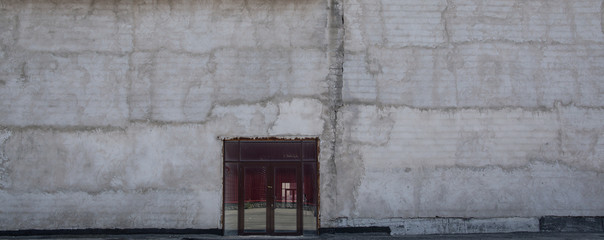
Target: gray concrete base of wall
x,y
460,225
425,226
393,226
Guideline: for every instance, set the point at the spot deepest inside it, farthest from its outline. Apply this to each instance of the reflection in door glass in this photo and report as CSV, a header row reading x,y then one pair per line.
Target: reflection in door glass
x,y
286,199
230,198
254,199
309,209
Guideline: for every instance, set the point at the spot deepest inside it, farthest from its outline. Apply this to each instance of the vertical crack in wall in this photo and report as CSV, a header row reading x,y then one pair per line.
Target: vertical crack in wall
x,y
336,63
443,20
602,17
23,76
90,9
570,13
131,68
4,136
15,31
336,42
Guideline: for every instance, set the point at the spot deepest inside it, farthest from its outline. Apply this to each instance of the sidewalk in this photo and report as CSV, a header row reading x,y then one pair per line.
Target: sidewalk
x,y
538,236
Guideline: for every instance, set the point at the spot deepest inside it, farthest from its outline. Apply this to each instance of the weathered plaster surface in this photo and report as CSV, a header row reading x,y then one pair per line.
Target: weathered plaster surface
x,y
470,109
476,74
112,112
508,162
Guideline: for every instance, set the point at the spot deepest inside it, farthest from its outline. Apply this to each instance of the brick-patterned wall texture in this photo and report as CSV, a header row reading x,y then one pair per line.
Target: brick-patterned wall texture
x,y
112,113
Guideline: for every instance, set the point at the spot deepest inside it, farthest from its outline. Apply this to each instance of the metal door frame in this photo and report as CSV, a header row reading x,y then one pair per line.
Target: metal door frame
x,y
270,197
270,165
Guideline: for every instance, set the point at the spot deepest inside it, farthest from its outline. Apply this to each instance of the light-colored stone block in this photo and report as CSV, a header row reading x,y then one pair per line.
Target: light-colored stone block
x,y
64,90
106,210
299,117
140,157
482,75
462,137
201,26
524,21
74,26
171,87
411,76
258,75
393,24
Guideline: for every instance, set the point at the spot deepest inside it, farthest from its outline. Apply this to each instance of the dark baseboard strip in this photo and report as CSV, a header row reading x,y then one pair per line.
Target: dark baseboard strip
x,y
546,224
385,230
135,231
571,224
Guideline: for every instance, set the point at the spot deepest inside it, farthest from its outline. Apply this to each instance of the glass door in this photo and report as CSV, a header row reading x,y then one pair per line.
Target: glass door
x,y
287,208
271,197
270,187
255,199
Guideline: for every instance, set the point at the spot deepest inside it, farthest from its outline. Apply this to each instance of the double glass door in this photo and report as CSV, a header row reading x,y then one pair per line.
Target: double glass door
x,y
271,197
270,187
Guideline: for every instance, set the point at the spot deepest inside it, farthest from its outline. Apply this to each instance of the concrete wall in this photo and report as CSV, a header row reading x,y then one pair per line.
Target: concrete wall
x,y
478,109
112,112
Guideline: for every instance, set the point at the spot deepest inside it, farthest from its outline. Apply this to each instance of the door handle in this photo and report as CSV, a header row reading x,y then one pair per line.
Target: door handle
x,y
270,187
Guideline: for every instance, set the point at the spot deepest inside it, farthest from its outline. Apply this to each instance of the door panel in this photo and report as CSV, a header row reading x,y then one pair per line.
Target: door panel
x,y
255,199
231,198
310,201
286,199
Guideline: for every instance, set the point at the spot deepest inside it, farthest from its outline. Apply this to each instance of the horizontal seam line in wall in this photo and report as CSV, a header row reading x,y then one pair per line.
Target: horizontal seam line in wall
x,y
445,45
480,108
